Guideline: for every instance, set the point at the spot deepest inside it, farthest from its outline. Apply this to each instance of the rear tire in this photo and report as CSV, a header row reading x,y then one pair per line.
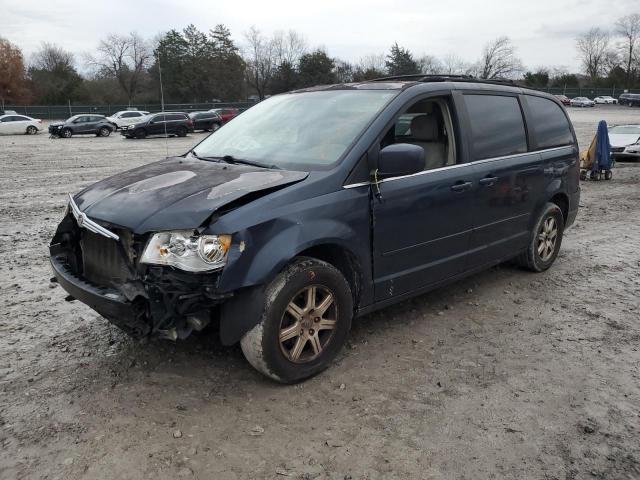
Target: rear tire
x,y
304,324
545,241
215,127
181,132
31,130
104,132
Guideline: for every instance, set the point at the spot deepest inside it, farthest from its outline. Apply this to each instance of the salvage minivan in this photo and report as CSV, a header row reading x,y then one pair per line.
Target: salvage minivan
x,y
320,205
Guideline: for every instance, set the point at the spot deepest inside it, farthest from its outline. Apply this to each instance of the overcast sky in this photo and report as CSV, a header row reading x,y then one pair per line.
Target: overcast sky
x,y
543,31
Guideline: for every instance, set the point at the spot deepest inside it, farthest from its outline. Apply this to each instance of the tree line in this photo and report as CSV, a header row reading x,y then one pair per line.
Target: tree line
x,y
197,66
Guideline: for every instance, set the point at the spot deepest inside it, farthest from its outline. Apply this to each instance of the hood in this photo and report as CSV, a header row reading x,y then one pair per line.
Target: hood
x,y
176,193
622,139
56,124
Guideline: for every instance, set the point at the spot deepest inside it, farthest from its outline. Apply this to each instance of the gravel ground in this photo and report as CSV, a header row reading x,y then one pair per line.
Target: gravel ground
x,y
506,374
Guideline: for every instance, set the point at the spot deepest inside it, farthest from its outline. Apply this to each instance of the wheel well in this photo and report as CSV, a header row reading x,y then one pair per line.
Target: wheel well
x,y
562,201
343,260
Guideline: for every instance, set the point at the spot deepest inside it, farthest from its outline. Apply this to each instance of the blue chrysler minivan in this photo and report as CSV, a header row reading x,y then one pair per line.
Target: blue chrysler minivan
x,y
323,204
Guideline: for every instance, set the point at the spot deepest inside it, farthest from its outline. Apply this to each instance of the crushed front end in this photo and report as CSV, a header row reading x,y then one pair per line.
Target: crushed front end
x,y
99,264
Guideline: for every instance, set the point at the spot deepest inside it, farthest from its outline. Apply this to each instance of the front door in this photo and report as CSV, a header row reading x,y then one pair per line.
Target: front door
x,y
422,222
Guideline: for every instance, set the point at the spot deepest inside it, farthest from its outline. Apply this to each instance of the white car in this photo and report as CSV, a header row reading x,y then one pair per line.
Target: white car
x,y
605,99
582,102
19,124
625,141
126,118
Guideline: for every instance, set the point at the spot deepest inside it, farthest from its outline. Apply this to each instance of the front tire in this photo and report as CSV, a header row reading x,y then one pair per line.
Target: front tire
x,y
140,133
304,324
546,238
67,133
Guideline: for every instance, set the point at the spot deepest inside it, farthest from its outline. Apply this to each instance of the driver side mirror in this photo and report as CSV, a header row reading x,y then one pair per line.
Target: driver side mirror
x,y
400,159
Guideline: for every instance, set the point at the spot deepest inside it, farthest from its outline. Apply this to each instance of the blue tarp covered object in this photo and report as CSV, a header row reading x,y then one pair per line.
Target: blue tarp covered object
x,y
603,149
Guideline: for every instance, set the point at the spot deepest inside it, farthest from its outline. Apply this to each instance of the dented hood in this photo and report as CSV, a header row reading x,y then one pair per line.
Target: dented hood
x,y
176,193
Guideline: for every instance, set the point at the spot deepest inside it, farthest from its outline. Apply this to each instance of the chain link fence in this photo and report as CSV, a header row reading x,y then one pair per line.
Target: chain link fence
x,y
61,112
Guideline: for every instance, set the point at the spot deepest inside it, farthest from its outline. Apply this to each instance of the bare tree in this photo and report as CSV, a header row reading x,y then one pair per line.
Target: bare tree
x,y
289,47
452,64
51,57
260,59
628,27
125,58
593,50
499,60
429,65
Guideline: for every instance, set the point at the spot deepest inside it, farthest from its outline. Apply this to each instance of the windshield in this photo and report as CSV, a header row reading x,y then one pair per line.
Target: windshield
x,y
309,130
625,130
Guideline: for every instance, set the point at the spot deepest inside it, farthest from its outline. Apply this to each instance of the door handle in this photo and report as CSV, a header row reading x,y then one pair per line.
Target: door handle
x,y
488,181
461,186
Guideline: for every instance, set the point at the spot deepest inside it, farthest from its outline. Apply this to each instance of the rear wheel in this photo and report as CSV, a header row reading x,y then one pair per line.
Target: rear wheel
x,y
546,238
304,324
104,132
215,127
31,130
181,132
608,175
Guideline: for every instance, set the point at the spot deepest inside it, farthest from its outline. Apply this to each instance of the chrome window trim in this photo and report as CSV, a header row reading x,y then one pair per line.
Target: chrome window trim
x,y
85,222
458,165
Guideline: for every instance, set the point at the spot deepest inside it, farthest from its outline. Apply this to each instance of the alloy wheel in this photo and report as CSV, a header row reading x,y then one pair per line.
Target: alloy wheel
x,y
308,324
547,237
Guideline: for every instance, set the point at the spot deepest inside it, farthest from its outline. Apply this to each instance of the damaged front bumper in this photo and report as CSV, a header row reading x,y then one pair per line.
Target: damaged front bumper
x,y
142,300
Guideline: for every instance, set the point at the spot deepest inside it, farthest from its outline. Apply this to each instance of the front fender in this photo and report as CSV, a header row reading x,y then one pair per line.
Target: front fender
x,y
259,255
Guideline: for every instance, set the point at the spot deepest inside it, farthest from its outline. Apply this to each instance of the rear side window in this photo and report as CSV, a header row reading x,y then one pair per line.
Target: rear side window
x,y
130,115
549,123
497,127
175,117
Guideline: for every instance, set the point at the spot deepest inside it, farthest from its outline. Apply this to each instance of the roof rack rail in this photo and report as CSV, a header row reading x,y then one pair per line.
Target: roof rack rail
x,y
419,77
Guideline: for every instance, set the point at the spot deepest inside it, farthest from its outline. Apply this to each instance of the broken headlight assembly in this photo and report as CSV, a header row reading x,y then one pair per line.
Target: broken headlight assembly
x,y
187,251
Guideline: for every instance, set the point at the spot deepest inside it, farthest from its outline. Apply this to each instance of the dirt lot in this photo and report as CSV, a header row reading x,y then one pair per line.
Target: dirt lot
x,y
507,374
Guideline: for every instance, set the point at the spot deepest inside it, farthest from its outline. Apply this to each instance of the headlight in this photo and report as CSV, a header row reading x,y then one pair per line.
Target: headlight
x,y
186,251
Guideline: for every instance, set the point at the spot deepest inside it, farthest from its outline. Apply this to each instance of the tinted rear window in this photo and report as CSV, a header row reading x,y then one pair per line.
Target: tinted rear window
x,y
497,128
549,123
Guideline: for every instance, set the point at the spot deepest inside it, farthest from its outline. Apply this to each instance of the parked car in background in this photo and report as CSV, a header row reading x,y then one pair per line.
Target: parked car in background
x,y
582,102
163,123
566,101
126,117
206,121
227,114
276,229
14,124
8,112
629,99
83,124
606,99
625,141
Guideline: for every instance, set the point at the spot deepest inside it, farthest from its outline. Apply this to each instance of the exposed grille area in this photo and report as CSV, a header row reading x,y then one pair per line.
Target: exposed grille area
x,y
102,259
617,149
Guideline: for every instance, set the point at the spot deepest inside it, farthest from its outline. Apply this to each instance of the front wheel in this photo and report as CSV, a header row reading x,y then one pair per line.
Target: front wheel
x,y
66,133
104,132
545,241
140,133
304,324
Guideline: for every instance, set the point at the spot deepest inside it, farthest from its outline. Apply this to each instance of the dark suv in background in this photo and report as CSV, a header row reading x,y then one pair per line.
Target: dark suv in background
x,y
164,123
86,123
206,121
630,99
323,204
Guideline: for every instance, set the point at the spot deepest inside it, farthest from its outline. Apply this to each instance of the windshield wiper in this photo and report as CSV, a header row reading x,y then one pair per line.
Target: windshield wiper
x,y
234,160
